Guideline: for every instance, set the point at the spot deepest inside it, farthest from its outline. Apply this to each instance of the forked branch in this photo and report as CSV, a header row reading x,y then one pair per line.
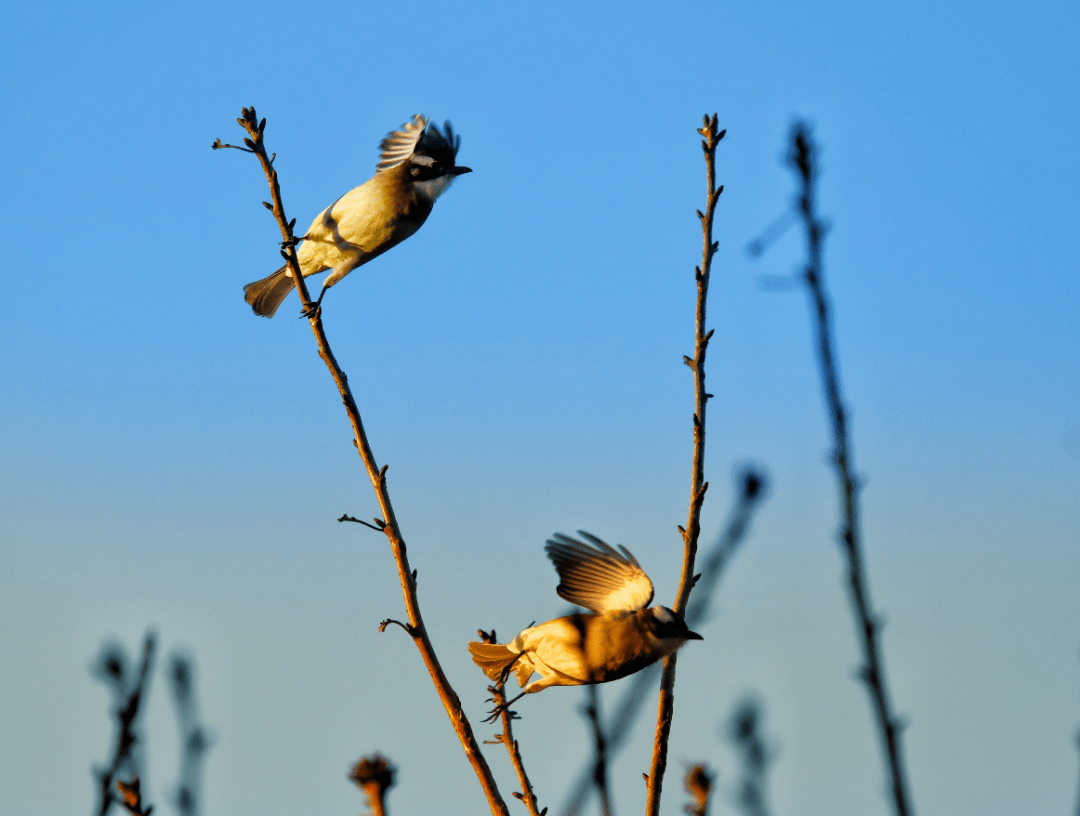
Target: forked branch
x,y
416,629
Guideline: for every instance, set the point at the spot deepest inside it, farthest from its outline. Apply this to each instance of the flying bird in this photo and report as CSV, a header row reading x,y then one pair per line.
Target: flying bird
x,y
417,165
622,635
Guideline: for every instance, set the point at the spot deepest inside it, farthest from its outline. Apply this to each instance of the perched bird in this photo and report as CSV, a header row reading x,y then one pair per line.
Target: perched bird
x,y
417,164
621,636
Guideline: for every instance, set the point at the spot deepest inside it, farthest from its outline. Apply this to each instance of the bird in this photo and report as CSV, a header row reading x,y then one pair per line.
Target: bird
x,y
622,635
416,165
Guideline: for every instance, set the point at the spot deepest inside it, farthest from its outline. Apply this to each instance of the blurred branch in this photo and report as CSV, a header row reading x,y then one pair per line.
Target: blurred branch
x,y
752,485
745,734
599,774
498,696
194,741
665,709
407,576
374,775
804,160
111,668
699,784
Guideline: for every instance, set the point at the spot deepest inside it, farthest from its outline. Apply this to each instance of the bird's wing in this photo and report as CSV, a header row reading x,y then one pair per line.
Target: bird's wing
x,y
599,577
400,144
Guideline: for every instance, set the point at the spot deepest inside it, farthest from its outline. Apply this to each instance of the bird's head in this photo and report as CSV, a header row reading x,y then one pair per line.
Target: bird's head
x,y
429,155
669,627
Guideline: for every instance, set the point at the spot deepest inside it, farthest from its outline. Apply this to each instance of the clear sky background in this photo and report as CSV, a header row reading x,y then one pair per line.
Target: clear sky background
x,y
170,460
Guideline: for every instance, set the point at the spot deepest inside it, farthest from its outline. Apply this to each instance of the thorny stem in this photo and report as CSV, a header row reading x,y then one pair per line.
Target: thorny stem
x,y
377,475
803,158
698,486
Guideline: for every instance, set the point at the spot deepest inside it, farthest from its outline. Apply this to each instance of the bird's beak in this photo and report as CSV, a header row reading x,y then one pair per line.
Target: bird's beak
x,y
457,171
694,636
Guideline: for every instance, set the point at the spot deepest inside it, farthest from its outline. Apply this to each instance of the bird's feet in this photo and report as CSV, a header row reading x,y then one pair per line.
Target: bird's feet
x,y
496,712
310,311
499,693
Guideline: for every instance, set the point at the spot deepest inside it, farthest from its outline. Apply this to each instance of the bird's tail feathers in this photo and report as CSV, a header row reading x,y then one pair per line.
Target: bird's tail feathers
x,y
266,295
493,658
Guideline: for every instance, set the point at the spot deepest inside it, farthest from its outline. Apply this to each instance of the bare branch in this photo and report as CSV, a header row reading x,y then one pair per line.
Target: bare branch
x,y
498,696
712,136
803,158
377,475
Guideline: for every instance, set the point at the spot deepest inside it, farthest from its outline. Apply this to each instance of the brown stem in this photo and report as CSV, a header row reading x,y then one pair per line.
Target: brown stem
x,y
377,475
803,158
698,485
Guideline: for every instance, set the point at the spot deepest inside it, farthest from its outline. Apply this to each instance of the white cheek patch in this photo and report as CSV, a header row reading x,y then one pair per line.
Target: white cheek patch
x,y
662,614
433,188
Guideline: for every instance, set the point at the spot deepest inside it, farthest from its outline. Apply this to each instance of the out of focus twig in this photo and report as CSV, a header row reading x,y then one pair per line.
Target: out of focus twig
x,y
128,693
711,136
255,128
592,712
699,784
803,157
752,485
744,731
131,797
374,775
194,741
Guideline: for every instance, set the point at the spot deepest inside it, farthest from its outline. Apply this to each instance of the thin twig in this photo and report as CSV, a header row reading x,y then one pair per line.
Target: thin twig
x,y
498,697
129,693
698,485
803,158
377,475
745,734
599,775
752,487
375,527
194,740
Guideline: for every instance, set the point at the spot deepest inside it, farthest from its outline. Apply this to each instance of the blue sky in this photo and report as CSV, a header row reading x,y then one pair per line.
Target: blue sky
x,y
171,460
